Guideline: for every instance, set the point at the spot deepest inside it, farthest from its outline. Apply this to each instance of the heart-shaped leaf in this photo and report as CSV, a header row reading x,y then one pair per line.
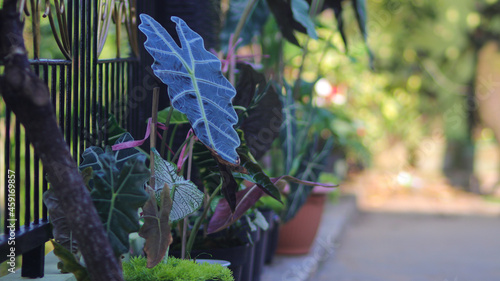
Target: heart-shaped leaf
x,y
185,195
196,86
156,228
117,196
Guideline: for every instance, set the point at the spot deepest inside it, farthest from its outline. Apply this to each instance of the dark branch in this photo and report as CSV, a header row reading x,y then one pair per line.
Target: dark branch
x,y
28,97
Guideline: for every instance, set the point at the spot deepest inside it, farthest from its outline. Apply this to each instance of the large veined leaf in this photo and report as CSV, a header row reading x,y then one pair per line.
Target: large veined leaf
x,y
117,196
196,86
91,155
185,195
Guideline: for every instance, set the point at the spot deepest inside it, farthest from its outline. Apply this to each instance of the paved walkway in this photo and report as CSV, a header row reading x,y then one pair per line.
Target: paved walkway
x,y
416,247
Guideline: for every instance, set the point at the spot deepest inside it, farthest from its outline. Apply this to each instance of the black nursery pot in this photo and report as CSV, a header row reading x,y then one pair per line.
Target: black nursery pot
x,y
272,239
248,268
261,246
238,256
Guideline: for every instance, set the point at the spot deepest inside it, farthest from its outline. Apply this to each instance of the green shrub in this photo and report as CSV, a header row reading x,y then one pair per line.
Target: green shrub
x,y
174,270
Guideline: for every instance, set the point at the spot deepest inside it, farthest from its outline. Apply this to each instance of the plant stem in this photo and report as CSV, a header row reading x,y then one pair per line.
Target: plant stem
x,y
180,148
296,86
152,137
171,142
246,13
188,177
239,27
198,221
164,135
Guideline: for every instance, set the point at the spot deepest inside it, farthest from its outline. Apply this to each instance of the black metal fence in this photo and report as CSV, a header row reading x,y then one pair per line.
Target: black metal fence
x,y
85,91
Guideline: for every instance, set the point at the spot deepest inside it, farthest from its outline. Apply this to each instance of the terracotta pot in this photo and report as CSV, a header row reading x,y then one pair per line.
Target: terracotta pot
x,y
297,236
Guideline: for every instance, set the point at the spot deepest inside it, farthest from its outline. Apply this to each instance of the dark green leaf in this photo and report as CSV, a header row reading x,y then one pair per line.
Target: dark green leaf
x,y
229,185
196,86
113,129
257,175
282,12
91,155
117,196
263,119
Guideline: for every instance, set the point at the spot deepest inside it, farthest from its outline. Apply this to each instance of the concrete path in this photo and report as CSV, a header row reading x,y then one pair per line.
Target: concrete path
x,y
416,247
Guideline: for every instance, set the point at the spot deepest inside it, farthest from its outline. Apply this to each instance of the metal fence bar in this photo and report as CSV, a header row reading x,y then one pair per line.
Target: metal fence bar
x,y
83,90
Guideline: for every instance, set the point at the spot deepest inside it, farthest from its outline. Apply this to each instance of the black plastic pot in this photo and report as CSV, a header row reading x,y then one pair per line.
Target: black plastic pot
x,y
272,239
248,268
238,257
260,247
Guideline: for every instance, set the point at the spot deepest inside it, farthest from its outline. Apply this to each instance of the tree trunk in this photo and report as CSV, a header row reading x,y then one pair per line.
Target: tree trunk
x,y
28,97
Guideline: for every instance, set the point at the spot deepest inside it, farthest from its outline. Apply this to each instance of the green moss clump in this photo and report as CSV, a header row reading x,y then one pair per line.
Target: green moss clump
x,y
174,270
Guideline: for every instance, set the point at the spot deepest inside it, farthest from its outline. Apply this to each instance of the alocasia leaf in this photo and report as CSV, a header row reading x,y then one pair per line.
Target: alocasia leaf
x,y
196,86
257,175
156,228
263,119
246,199
185,195
91,155
117,196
